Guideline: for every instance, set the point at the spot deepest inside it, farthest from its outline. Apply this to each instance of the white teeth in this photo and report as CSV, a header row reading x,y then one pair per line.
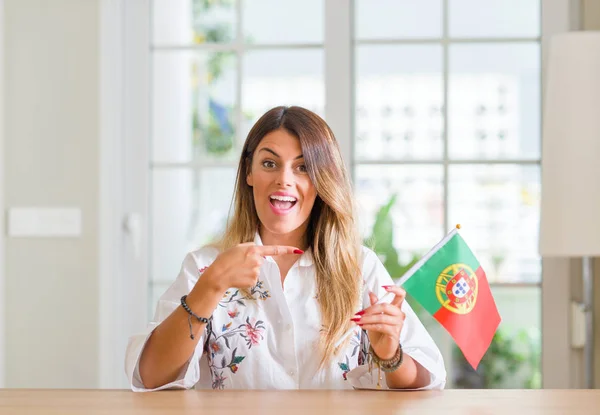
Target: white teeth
x,y
284,198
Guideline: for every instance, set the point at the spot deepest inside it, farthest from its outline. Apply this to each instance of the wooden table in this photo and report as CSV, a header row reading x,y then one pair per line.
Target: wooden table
x,y
463,402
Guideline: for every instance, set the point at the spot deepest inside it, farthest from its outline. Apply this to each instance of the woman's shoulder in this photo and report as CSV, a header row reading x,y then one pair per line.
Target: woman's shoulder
x,y
368,256
204,256
372,267
194,264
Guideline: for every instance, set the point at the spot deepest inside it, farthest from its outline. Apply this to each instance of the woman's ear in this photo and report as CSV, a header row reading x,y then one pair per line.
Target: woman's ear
x,y
249,180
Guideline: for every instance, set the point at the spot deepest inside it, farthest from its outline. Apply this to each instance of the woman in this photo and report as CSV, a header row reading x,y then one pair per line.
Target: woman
x,y
267,306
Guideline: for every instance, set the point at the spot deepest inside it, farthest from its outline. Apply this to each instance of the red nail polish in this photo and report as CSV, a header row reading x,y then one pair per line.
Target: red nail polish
x,y
360,313
355,319
387,287
298,251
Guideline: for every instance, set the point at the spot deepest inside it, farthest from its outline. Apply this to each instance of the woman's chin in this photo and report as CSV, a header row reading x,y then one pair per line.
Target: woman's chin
x,y
281,227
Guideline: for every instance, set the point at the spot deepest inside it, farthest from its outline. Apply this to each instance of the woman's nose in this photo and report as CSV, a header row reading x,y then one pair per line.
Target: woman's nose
x,y
285,177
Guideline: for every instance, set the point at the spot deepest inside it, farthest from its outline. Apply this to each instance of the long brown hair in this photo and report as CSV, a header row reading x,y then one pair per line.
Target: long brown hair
x,y
332,232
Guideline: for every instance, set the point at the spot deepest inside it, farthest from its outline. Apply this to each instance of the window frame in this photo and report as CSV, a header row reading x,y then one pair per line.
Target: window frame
x,y
446,41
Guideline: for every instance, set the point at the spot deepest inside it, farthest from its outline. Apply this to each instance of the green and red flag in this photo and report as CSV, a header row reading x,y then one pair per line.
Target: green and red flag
x,y
451,285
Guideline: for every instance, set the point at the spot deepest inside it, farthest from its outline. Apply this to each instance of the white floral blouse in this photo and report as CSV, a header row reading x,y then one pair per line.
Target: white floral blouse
x,y
268,339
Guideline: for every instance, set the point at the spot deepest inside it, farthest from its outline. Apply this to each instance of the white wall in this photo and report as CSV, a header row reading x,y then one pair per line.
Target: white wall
x,y
591,21
2,303
51,159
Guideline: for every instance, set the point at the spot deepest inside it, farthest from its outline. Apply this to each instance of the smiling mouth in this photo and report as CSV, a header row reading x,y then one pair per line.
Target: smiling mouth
x,y
283,203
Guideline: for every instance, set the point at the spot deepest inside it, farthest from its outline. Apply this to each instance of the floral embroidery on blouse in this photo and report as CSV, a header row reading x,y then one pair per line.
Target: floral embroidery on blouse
x,y
218,380
345,366
364,354
253,332
219,346
238,296
356,343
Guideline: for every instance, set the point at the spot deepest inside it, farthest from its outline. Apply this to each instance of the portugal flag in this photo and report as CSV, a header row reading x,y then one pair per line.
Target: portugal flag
x,y
450,284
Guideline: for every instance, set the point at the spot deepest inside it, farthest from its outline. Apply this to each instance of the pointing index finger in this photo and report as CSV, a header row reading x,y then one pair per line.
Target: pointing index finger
x,y
274,250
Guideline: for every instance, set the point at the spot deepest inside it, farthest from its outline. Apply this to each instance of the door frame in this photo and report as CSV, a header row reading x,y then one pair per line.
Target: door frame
x,y
124,120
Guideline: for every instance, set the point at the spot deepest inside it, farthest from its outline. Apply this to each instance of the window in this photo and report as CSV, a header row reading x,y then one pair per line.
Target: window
x,y
216,67
446,117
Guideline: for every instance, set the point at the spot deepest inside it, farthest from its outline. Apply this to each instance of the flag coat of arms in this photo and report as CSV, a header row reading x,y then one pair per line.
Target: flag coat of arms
x,y
451,285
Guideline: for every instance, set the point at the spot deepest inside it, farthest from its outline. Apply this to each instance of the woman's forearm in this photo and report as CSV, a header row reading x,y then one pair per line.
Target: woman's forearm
x,y
410,375
170,347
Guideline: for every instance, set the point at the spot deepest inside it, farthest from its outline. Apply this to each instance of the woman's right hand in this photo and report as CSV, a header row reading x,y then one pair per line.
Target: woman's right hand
x,y
240,266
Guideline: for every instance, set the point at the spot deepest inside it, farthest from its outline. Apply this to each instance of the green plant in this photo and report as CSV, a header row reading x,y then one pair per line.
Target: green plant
x,y
381,241
213,129
211,30
512,361
497,261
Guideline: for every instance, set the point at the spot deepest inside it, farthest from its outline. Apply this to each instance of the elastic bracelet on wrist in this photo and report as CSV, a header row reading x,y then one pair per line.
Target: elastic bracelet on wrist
x,y
192,314
389,365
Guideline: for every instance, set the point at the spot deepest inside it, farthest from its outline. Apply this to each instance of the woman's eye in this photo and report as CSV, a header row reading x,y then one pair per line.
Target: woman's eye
x,y
302,168
268,164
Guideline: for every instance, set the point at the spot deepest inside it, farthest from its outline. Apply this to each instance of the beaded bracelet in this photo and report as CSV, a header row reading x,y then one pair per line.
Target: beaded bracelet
x,y
389,365
192,314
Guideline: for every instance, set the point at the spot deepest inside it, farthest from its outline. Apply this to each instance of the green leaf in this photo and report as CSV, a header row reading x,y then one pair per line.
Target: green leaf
x,y
382,242
383,230
238,359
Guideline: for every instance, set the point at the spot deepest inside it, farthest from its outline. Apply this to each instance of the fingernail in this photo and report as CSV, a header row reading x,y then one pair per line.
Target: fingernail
x,y
298,251
355,319
387,287
360,313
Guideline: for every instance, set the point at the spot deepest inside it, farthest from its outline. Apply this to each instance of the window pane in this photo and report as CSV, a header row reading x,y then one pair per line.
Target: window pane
x,y
494,101
393,19
193,106
513,359
283,22
183,22
282,77
399,97
189,209
494,18
418,212
498,206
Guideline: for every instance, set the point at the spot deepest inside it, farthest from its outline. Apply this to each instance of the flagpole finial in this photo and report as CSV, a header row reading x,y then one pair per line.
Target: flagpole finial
x,y
458,226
